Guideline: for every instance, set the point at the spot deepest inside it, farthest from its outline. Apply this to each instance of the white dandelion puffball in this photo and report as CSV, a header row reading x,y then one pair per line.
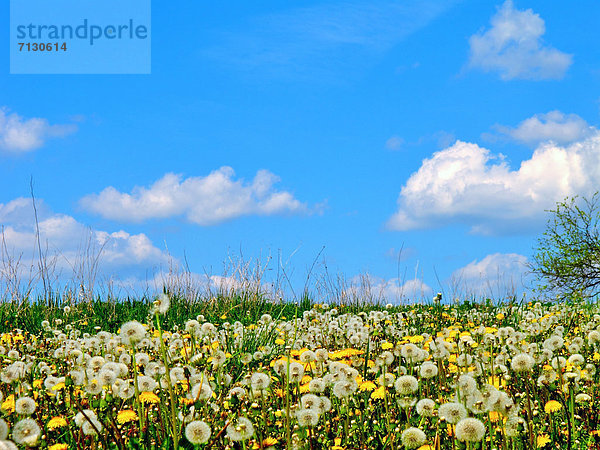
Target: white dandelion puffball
x,y
132,332
406,385
452,412
161,304
425,407
307,417
8,445
25,406
197,432
413,437
240,429
3,429
26,432
470,430
522,362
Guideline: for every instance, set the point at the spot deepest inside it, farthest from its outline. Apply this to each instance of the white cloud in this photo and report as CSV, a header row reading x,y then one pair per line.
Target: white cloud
x,y
513,46
495,275
393,290
331,40
208,200
468,184
553,126
68,242
19,135
394,143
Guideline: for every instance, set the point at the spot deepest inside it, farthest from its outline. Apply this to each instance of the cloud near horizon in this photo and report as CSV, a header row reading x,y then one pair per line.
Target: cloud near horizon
x,y
20,135
393,290
205,201
468,184
67,243
495,275
514,47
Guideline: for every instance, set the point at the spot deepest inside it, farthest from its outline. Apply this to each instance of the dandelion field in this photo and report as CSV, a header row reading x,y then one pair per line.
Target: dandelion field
x,y
308,376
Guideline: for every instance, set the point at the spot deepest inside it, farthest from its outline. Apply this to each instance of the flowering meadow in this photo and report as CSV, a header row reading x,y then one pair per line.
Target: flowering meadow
x,y
461,376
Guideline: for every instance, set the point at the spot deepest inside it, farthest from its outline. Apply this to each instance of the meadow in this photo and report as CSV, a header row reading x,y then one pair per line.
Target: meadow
x,y
245,372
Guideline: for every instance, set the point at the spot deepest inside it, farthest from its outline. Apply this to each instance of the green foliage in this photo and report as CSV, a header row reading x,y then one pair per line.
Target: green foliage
x,y
567,259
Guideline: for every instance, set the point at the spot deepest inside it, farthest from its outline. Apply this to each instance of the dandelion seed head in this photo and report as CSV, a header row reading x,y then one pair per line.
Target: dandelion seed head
x,y
197,432
240,429
470,430
452,412
25,406
26,432
425,407
406,385
3,429
522,362
132,332
307,417
413,438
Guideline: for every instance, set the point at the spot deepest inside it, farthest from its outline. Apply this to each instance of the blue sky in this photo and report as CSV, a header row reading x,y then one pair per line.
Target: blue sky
x,y
444,128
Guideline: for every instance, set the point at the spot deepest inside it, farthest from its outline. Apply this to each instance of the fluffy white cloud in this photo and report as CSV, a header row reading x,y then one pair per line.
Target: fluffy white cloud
x,y
207,200
19,135
554,126
67,243
392,290
496,275
513,47
468,184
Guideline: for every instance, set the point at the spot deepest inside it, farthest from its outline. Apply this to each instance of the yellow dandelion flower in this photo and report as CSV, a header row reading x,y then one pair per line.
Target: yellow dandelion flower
x,y
126,416
542,440
367,386
304,388
37,383
8,405
149,397
58,447
416,339
426,447
58,386
494,416
452,368
57,422
279,341
337,444
596,356
499,316
270,441
378,393
552,406
387,345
